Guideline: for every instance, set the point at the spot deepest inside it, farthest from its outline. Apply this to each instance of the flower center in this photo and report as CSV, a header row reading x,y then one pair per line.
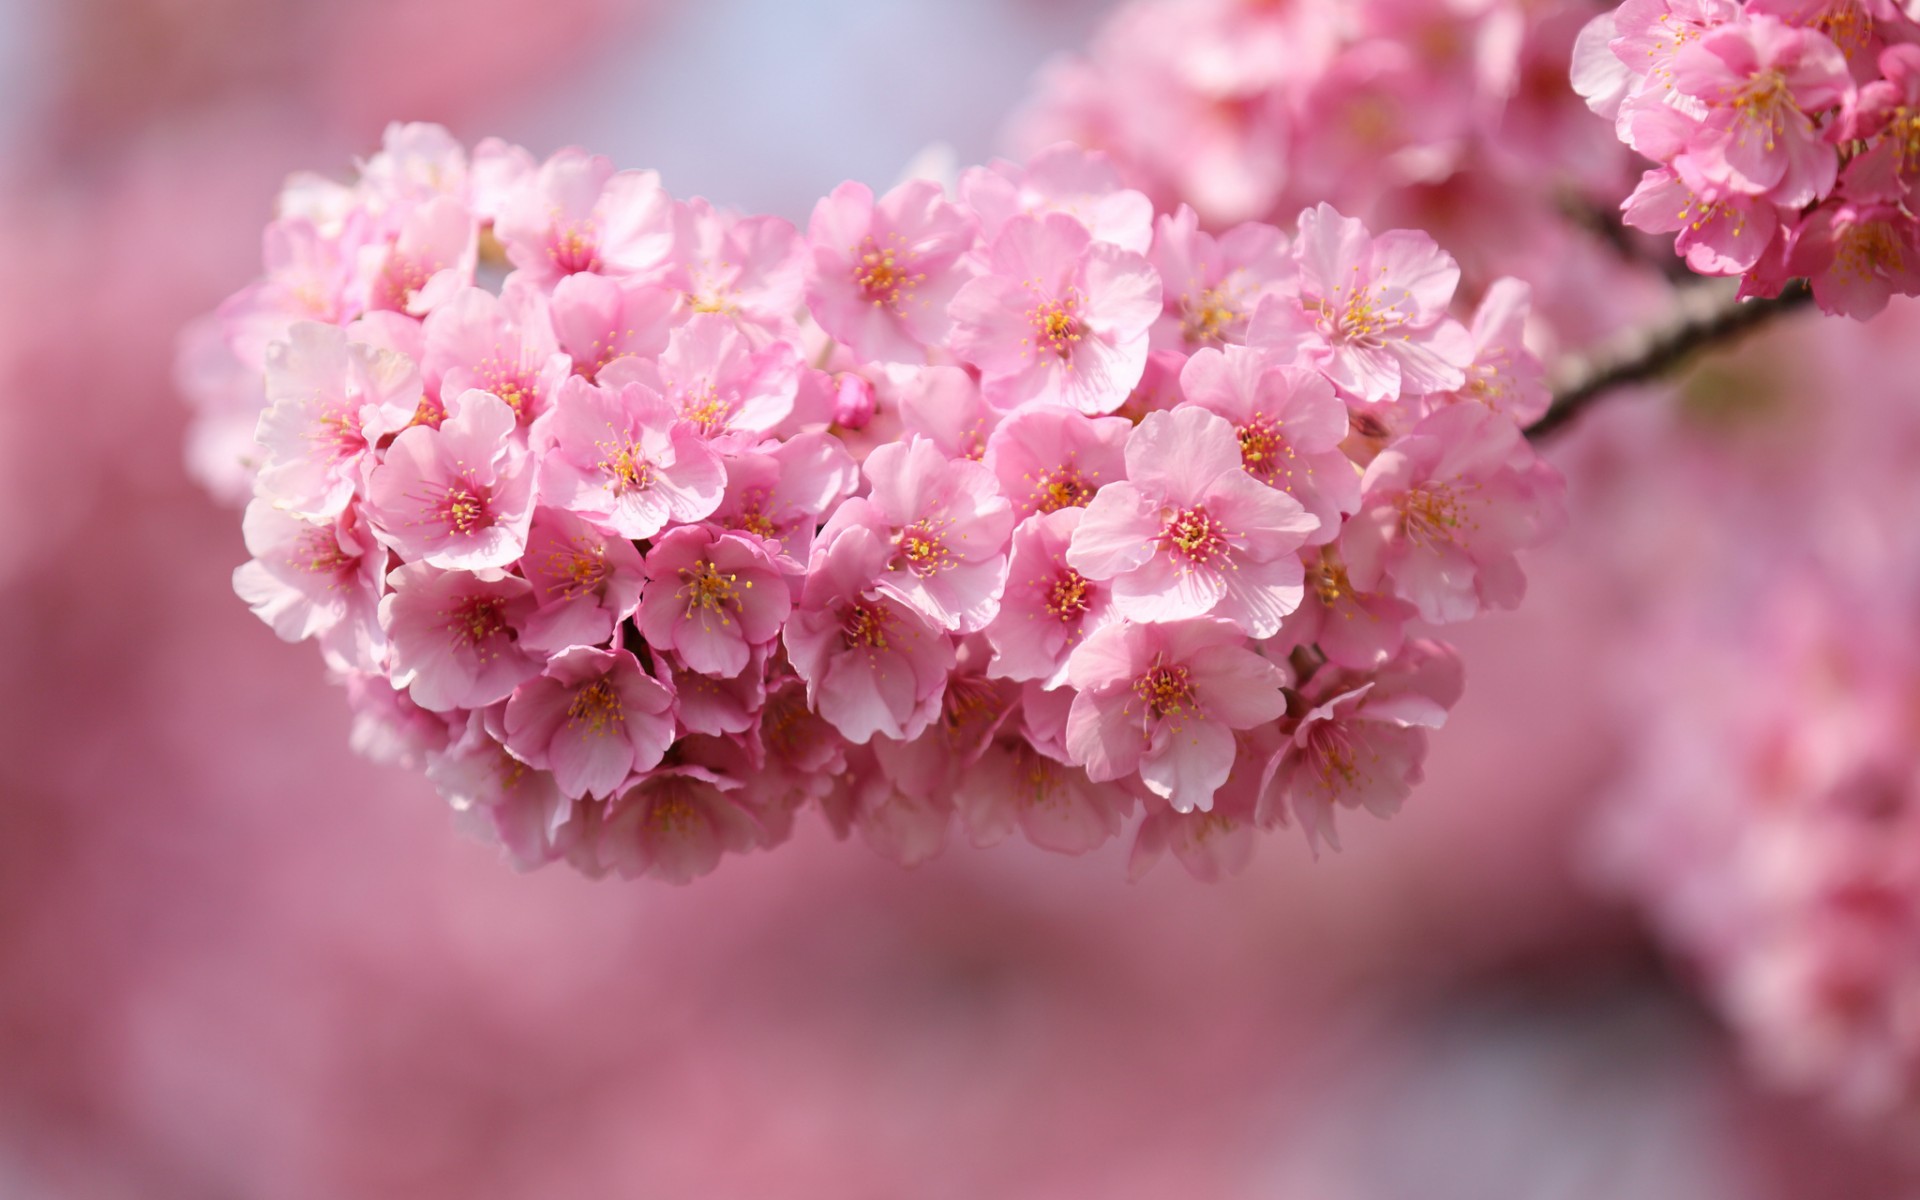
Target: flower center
x,y
625,468
1207,320
865,625
1360,318
707,410
1868,250
1847,23
1329,580
1062,487
1905,132
402,278
463,508
883,275
1167,691
1069,596
575,248
671,814
428,412
753,514
1264,451
1763,103
922,549
318,552
1432,514
1195,536
580,569
708,589
1335,759
338,430
475,622
510,383
597,707
1056,325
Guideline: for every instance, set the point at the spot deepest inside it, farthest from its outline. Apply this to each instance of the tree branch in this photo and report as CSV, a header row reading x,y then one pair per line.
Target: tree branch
x,y
1708,317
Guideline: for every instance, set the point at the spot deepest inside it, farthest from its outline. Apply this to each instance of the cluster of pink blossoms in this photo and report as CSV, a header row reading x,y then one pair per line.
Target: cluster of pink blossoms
x,y
1771,826
643,526
1767,817
1454,118
1787,133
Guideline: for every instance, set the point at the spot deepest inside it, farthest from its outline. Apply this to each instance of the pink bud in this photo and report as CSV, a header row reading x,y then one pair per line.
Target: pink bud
x,y
853,402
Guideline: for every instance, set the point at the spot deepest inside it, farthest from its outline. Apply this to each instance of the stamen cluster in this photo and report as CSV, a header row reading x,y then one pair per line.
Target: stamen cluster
x,y
642,527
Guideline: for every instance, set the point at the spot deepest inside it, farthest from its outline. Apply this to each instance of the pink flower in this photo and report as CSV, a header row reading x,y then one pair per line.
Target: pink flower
x,y
904,827
1065,179
328,402
884,273
623,460
1013,786
1763,82
1048,608
577,214
309,579
1717,237
1163,701
309,276
1650,34
389,727
500,344
972,712
1443,511
585,582
428,263
674,826
871,663
455,636
782,494
1289,425
525,808
594,719
1212,844
1371,312
1050,458
1352,628
1504,374
1189,533
1857,256
719,707
711,599
750,270
1363,743
947,524
417,163
943,404
1886,113
460,496
721,386
597,320
1057,317
1211,285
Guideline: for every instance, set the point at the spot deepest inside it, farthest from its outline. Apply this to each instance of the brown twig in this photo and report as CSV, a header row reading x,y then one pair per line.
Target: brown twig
x,y
1708,317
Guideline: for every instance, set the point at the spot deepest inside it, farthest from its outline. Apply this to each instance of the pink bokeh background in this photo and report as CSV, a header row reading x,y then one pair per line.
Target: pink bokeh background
x,y
237,960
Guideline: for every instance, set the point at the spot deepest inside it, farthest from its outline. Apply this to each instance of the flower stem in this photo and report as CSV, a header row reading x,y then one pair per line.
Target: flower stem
x,y
1708,317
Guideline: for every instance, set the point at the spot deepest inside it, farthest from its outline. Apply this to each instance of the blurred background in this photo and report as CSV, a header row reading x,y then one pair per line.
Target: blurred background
x,y
238,961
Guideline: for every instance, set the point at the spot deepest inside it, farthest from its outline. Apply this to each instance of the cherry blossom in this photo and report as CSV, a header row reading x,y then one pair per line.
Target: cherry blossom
x,y
1189,533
